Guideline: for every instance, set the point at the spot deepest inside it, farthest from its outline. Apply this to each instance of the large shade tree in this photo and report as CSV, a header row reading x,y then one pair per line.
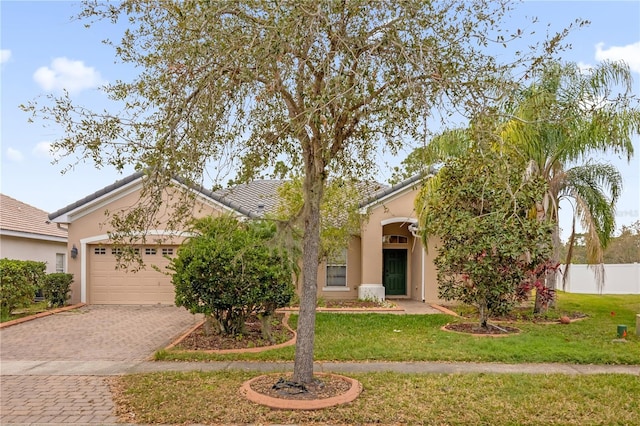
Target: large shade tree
x,y
314,87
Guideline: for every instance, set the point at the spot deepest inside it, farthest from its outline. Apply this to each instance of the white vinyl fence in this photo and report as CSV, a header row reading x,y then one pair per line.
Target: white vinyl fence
x,y
618,279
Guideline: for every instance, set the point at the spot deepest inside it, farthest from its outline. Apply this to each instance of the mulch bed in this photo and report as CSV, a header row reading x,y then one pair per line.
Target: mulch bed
x,y
523,314
197,340
325,387
353,304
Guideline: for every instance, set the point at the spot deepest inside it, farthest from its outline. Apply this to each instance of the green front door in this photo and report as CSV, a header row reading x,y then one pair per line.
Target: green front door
x,y
394,274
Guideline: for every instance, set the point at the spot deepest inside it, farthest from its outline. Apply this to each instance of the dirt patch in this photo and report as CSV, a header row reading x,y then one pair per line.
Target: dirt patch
x,y
474,328
280,386
253,338
519,314
276,391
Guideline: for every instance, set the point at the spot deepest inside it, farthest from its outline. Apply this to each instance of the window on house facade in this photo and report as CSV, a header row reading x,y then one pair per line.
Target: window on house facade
x,y
337,270
60,260
395,239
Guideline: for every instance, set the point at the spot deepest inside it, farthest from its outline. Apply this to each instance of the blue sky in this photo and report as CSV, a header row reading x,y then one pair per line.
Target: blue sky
x,y
43,51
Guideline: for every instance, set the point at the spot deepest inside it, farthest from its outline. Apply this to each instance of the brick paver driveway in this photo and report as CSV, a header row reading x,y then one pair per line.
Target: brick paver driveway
x,y
96,332
91,333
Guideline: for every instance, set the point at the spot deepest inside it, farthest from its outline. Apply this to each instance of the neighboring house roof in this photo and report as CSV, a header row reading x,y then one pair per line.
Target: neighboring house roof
x,y
22,220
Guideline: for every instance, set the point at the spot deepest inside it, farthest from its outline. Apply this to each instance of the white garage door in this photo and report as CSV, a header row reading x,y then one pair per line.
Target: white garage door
x,y
108,285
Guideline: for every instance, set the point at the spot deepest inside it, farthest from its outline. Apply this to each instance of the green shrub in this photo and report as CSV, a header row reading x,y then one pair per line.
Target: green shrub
x,y
19,281
56,289
231,270
493,249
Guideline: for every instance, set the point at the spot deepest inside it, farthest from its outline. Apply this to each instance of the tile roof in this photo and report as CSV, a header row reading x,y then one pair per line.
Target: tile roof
x,y
19,217
251,199
383,191
138,175
258,196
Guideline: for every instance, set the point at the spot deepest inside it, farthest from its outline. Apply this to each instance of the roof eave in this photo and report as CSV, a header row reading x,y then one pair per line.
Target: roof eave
x,y
32,236
387,193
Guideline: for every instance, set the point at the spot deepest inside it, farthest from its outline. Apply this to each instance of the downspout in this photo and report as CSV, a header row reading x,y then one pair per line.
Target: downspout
x,y
423,274
414,231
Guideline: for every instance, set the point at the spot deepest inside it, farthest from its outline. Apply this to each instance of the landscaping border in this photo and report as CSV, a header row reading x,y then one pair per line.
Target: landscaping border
x,y
348,310
40,315
285,322
298,404
444,328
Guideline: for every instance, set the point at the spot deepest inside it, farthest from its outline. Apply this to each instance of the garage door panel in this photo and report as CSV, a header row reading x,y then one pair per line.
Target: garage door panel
x,y
108,285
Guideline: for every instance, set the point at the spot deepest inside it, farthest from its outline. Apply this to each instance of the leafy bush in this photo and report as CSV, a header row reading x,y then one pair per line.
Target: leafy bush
x,y
493,248
231,270
56,289
19,281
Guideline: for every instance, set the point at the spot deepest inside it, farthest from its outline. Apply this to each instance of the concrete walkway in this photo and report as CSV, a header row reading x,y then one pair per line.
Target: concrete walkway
x,y
116,368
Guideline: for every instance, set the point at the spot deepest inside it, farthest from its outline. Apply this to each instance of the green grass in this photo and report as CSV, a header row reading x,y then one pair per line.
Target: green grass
x,y
34,308
391,398
386,337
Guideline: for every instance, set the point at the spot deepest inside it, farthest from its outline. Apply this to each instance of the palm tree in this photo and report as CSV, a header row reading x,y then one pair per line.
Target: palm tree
x,y
567,116
555,126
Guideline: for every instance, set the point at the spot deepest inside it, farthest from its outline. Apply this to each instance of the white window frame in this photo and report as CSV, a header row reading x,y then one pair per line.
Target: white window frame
x,y
61,262
338,261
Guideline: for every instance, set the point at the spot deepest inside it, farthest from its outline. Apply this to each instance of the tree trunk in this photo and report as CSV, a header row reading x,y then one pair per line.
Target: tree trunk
x,y
265,327
313,193
482,308
551,274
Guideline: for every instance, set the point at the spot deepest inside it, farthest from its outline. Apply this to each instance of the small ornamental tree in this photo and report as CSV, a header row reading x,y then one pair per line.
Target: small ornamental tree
x,y
492,247
230,270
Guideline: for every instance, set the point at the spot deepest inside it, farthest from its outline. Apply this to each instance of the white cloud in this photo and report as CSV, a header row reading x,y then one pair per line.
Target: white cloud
x,y
74,76
43,149
584,67
14,155
629,53
5,55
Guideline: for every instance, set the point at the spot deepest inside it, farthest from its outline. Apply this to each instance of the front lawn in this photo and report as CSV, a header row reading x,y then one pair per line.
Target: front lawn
x,y
387,337
390,398
34,308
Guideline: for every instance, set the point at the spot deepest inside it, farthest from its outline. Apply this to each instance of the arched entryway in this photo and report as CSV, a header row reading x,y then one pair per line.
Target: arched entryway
x,y
397,240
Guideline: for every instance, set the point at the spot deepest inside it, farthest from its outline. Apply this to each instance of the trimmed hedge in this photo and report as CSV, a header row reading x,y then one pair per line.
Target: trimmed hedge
x,y
56,289
19,281
231,270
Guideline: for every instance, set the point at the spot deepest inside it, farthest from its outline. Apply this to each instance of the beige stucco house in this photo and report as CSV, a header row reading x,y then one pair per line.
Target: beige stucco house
x,y
27,234
386,260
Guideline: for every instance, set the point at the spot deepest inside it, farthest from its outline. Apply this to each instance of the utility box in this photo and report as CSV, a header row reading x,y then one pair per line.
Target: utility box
x,y
371,292
622,331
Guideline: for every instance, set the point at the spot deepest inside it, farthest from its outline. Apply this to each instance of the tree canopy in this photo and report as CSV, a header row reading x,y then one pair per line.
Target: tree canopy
x,y
623,248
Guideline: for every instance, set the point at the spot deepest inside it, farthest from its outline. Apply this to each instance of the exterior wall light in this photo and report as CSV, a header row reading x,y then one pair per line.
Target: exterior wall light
x,y
74,252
